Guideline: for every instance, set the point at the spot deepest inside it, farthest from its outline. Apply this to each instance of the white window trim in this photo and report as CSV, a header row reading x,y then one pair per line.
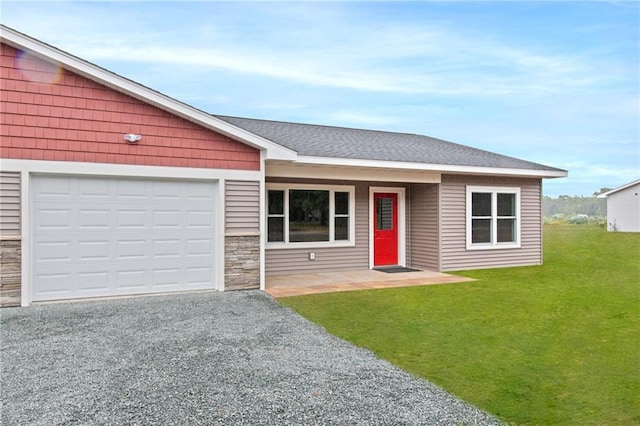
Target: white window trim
x,y
494,245
313,244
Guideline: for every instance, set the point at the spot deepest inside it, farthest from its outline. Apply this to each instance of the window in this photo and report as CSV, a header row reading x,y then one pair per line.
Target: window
x,y
310,215
493,217
275,224
384,214
342,215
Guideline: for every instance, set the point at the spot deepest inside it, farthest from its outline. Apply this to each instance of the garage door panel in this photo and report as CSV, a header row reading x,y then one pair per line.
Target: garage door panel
x,y
198,191
166,248
53,219
94,250
94,189
166,219
166,277
199,247
131,249
133,219
132,189
54,251
94,218
93,281
131,279
112,236
199,276
166,191
53,188
55,284
199,219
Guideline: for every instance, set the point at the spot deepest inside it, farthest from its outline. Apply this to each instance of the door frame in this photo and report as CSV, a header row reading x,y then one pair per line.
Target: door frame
x,y
402,235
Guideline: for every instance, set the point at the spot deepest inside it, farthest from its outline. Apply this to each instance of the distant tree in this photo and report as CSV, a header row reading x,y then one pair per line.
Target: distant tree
x,y
602,191
566,205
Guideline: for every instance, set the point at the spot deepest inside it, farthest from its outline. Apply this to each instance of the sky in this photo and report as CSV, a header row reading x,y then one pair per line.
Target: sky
x,y
552,82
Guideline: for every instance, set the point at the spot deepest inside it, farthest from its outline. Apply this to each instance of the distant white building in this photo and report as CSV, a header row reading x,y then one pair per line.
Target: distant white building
x,y
623,207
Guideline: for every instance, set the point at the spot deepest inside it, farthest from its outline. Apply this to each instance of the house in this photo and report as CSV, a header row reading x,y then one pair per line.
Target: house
x,y
623,207
111,188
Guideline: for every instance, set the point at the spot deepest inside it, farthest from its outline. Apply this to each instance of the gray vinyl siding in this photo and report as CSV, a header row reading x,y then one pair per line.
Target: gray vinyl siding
x,y
455,256
424,247
296,261
9,204
242,200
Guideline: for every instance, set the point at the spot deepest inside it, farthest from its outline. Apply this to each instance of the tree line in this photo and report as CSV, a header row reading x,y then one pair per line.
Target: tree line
x,y
566,205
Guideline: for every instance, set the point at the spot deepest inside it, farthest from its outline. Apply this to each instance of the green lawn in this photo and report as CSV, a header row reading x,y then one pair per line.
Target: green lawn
x,y
551,344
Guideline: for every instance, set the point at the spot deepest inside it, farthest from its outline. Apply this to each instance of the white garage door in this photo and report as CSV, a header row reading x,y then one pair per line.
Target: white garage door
x,y
114,236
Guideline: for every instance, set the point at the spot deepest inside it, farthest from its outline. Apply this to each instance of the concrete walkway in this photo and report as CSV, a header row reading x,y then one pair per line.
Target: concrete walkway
x,y
328,282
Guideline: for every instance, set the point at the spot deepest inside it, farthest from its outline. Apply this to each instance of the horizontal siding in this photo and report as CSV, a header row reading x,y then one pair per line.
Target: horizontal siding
x,y
9,204
242,204
295,261
454,254
424,227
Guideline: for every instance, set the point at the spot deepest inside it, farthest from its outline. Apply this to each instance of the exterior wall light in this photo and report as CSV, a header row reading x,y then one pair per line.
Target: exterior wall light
x,y
132,138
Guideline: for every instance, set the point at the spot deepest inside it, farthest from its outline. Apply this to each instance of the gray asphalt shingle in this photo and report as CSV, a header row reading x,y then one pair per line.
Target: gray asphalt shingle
x,y
340,142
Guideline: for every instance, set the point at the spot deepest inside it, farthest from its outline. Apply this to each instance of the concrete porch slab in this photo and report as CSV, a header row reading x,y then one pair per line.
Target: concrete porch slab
x,y
328,282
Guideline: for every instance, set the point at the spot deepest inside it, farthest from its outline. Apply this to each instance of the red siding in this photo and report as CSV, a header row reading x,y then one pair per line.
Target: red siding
x,y
51,114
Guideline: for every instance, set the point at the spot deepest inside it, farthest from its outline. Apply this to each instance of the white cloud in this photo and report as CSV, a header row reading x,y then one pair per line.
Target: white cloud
x,y
585,178
438,76
593,170
328,47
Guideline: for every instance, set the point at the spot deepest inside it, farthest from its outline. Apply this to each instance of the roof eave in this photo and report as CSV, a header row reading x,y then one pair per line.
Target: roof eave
x,y
138,91
443,168
618,189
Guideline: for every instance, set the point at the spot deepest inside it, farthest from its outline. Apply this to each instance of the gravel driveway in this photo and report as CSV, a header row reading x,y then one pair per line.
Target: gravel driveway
x,y
201,358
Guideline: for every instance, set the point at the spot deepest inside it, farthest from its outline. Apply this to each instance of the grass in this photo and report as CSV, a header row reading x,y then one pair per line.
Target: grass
x,y
551,344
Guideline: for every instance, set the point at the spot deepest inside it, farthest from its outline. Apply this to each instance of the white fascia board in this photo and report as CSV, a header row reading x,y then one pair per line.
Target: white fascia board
x,y
104,169
618,189
138,91
442,168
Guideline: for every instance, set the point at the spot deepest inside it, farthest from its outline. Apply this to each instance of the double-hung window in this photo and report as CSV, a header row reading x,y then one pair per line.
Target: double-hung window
x,y
493,217
310,215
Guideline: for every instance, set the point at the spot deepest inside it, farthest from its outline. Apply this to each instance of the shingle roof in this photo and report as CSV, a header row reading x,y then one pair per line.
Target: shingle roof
x,y
340,142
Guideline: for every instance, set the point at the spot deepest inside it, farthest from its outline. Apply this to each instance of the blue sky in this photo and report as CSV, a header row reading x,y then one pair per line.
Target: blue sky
x,y
552,82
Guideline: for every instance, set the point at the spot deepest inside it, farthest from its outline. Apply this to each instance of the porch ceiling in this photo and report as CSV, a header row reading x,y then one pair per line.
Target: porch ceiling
x,y
352,172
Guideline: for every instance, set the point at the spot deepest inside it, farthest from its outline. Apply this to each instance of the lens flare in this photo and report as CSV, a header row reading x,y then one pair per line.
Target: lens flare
x,y
38,70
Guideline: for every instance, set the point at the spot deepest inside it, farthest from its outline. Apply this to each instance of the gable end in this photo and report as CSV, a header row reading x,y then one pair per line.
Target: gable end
x,y
50,113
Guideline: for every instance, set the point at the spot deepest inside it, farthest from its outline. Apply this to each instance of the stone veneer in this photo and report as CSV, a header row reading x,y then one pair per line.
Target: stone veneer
x,y
10,272
242,266
241,262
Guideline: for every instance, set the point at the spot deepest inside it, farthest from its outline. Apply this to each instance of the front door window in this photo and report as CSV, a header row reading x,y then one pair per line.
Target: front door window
x,y
384,214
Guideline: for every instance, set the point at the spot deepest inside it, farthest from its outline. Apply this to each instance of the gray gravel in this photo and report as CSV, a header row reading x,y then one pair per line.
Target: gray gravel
x,y
201,358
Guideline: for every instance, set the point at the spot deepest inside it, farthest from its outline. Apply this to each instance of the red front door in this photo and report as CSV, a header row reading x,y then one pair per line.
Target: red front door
x,y
385,229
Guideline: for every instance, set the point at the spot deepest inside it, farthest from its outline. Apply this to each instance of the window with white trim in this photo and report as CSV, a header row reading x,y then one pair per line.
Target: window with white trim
x,y
493,217
310,215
